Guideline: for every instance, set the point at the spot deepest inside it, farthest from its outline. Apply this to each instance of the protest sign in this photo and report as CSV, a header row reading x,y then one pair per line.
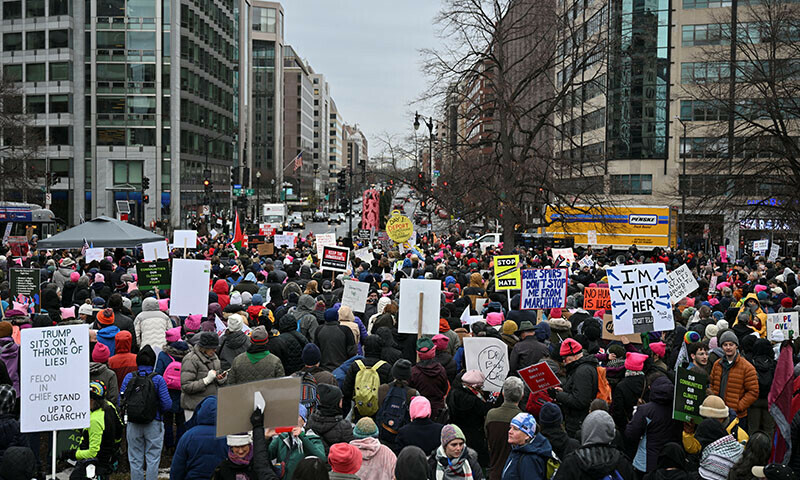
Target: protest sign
x,y
539,377
266,249
355,295
54,364
760,245
566,253
185,238
787,322
153,275
480,303
543,288
154,250
334,258
189,294
681,283
640,299
490,357
410,311
7,233
68,440
591,237
364,255
363,234
723,254
324,240
506,272
712,284
93,255
596,298
586,262
236,403
773,252
19,246
24,287
608,332
690,391
284,241
467,319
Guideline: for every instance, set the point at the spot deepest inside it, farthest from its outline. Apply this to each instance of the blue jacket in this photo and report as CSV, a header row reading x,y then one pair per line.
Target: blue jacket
x,y
199,451
165,401
528,461
107,335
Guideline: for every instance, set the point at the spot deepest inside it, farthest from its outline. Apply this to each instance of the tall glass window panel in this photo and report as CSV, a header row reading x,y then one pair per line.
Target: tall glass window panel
x,y
141,9
34,40
60,71
35,104
59,38
110,8
35,72
60,104
34,8
12,10
12,42
59,7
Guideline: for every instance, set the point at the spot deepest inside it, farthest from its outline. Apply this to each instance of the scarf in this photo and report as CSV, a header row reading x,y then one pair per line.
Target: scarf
x,y
633,373
239,460
257,352
450,469
718,458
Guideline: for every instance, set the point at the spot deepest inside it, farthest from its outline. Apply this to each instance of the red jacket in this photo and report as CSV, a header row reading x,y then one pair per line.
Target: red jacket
x,y
123,362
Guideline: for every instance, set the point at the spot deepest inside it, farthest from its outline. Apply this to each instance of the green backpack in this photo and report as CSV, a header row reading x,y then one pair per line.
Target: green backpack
x,y
366,388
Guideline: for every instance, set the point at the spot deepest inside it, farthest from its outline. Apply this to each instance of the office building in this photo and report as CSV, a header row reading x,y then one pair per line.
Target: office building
x,y
298,135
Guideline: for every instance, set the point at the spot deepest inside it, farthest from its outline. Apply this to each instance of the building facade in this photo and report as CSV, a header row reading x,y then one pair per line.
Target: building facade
x,y
298,135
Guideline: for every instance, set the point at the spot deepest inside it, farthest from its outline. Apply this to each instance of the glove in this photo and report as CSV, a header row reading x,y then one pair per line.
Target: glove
x,y
210,377
257,418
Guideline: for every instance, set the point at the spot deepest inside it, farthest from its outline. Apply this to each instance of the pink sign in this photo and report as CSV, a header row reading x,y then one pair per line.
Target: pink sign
x,y
723,254
370,214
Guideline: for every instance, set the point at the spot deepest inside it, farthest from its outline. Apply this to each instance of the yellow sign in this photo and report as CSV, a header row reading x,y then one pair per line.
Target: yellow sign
x,y
399,227
506,272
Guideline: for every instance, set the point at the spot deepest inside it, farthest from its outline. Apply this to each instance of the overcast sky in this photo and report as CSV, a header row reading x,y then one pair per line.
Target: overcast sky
x,y
368,51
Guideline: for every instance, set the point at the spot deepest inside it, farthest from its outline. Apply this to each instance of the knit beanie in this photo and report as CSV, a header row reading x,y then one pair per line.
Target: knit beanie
x,y
420,407
365,428
659,348
100,353
311,356
441,342
787,303
331,315
259,336
509,327
473,378
328,395
85,309
525,423
555,313
208,340
723,325
235,323
451,432
105,317
635,361
617,350
401,370
344,458
426,349
173,334
192,322
257,300
711,331
570,346
494,319
74,276
728,336
146,357
550,415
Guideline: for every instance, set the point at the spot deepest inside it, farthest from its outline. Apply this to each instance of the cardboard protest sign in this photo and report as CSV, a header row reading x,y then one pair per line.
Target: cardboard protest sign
x,y
543,288
608,332
284,240
640,299
490,357
324,240
55,367
355,295
681,283
236,403
565,253
591,237
153,275
189,294
773,252
93,254
506,272
539,377
596,298
760,245
154,250
24,287
335,258
690,391
409,313
784,321
265,249
185,238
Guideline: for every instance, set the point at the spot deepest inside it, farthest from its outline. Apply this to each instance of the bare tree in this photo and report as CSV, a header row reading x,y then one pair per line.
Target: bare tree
x,y
20,145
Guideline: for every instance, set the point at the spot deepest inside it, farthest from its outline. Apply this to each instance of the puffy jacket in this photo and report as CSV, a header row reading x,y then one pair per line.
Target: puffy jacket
x,y
496,430
243,370
101,372
123,361
10,435
61,276
304,313
741,388
199,451
231,345
652,425
759,313
529,461
578,392
594,462
377,459
194,368
430,379
164,400
221,289
107,336
421,432
9,355
336,343
289,456
288,346
468,411
151,325
331,427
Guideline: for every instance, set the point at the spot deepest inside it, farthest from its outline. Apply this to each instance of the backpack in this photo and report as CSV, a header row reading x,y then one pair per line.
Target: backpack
x,y
172,374
393,414
366,388
141,399
603,388
615,475
552,466
308,390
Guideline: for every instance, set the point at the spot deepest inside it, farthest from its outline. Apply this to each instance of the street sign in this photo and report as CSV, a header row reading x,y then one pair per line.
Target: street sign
x,y
250,192
237,186
436,173
237,191
48,198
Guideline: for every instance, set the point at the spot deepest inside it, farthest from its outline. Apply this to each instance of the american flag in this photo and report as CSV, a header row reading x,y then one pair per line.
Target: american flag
x,y
298,161
85,247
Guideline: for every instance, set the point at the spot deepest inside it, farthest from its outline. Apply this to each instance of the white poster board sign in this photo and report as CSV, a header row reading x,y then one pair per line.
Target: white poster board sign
x,y
355,295
467,319
586,262
785,321
490,356
189,294
480,303
681,283
54,378
773,252
591,237
324,240
364,254
566,253
185,238
543,288
760,245
640,299
155,250
409,306
94,254
284,241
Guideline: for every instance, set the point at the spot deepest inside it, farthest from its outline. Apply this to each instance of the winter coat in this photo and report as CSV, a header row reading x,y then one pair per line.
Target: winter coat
x,y
421,432
336,343
652,425
9,355
221,289
10,435
529,461
68,293
448,363
231,345
243,370
624,397
349,385
741,389
258,468
61,276
199,451
288,346
560,329
471,457
468,411
760,314
578,392
194,368
107,336
165,357
123,361
305,315
377,460
286,454
496,430
246,286
331,427
430,379
124,322
101,372
164,400
528,351
151,325
593,462
101,440
561,443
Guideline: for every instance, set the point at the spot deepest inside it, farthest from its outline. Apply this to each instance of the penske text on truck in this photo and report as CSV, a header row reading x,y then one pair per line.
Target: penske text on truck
x,y
647,227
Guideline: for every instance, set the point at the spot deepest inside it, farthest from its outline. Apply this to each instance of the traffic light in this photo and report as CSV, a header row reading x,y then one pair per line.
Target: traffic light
x,y
342,180
344,204
145,184
423,206
146,198
52,178
207,186
420,176
444,183
234,175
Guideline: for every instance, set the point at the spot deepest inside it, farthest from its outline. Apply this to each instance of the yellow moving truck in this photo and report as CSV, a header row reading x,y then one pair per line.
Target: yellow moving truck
x,y
647,227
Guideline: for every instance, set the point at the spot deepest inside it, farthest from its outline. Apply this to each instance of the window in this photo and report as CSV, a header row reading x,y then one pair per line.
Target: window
x,y
141,41
12,10
698,35
704,72
632,184
35,104
59,38
35,72
111,8
110,72
264,20
706,3
13,73
127,172
12,42
59,7
34,8
108,40
59,104
60,136
141,9
60,71
110,105
144,137
702,110
142,72
34,40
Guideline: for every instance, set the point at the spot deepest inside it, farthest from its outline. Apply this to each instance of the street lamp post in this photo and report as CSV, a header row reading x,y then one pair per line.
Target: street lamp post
x,y
428,123
258,195
682,184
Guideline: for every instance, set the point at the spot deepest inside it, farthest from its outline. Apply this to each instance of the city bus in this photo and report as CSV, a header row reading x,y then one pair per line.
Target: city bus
x,y
27,219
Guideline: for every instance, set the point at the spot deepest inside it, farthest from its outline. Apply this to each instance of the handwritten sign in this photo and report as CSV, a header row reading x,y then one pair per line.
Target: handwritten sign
x,y
566,253
586,262
640,299
325,240
543,288
591,237
94,254
784,321
490,357
681,283
773,252
284,241
355,295
690,391
608,332
539,377
596,298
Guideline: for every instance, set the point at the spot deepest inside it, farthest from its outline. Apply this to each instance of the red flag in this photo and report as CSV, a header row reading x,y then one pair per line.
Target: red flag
x,y
779,402
238,238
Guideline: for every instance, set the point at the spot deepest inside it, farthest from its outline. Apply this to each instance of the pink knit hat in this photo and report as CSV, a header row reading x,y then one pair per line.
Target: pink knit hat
x,y
760,288
659,348
100,353
689,302
441,342
555,313
420,407
74,276
173,334
600,314
193,322
99,278
494,319
635,361
163,304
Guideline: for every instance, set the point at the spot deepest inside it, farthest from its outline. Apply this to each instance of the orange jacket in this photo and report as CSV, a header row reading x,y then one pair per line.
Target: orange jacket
x,y
742,387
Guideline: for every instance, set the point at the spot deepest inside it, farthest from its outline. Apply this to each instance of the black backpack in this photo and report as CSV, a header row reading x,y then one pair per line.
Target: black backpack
x,y
393,413
141,399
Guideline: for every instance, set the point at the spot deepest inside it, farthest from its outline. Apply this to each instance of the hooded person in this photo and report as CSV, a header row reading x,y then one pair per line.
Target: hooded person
x,y
327,420
453,459
429,376
257,363
443,355
107,331
200,451
222,290
468,410
200,373
68,289
335,341
383,302
530,451
10,435
233,343
99,371
248,284
756,313
123,361
596,457
377,460
652,425
421,432
671,464
411,464
372,360
496,425
288,346
305,316
151,324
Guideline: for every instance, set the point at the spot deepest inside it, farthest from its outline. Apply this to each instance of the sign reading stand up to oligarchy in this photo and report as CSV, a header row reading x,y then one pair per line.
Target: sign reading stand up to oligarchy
x,y
543,288
640,299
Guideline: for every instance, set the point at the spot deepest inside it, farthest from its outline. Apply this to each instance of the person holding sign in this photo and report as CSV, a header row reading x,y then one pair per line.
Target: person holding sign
x,y
652,425
580,387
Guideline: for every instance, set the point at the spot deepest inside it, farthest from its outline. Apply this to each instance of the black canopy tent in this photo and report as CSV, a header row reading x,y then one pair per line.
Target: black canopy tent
x,y
102,232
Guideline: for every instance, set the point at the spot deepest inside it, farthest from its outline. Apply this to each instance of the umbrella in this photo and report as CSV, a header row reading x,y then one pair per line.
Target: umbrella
x,y
102,232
